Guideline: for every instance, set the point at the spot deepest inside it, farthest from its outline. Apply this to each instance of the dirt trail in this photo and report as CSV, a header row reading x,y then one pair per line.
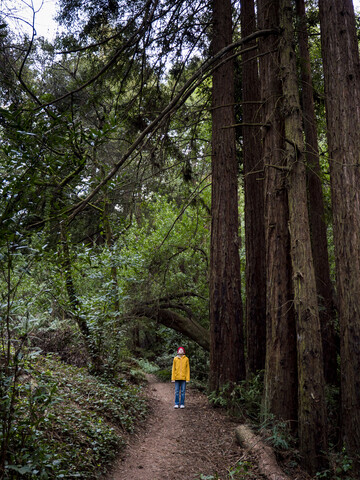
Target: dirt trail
x,y
179,443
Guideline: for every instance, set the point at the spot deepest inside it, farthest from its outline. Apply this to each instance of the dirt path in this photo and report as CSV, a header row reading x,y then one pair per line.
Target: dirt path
x,y
179,443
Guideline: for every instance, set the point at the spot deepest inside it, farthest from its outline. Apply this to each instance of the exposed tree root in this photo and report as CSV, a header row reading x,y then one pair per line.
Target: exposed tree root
x,y
263,453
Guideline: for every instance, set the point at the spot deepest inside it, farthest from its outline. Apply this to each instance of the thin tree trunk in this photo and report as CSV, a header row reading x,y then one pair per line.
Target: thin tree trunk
x,y
70,287
227,362
280,397
254,201
311,386
342,95
110,243
327,310
74,303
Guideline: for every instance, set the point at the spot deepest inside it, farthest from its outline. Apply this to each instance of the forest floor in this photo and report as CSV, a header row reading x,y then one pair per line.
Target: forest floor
x,y
194,443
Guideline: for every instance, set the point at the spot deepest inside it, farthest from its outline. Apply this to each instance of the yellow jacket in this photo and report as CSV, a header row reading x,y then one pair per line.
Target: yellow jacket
x,y
181,369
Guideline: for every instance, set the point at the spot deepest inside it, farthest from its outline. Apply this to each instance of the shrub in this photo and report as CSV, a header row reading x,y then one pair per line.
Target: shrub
x,y
67,423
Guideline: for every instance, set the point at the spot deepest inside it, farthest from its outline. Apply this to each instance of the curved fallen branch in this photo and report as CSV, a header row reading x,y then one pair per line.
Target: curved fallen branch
x,y
177,322
263,453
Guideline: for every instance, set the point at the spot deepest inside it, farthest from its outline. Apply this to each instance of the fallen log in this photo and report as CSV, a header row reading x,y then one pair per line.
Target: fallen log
x,y
264,454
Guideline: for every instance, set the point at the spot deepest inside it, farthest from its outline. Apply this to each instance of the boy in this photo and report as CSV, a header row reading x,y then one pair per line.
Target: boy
x,y
180,375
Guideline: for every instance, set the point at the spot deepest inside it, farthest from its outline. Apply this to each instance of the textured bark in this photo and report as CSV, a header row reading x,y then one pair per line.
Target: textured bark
x,y
342,89
181,324
254,201
327,310
280,396
227,362
311,387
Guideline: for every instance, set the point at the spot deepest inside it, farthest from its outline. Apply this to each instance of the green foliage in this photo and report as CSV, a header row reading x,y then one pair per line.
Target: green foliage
x,y
147,366
243,399
180,263
277,433
59,336
142,275
51,159
219,399
24,405
242,469
52,415
67,423
164,375
341,467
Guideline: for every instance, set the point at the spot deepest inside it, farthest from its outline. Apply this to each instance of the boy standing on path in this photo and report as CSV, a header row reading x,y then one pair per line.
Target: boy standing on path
x,y
180,375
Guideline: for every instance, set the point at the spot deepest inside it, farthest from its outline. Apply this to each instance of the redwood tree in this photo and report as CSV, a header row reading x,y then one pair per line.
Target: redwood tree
x,y
327,310
280,398
254,199
227,362
342,96
311,388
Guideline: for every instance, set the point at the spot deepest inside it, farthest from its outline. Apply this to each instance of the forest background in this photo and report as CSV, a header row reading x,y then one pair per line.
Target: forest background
x,y
176,172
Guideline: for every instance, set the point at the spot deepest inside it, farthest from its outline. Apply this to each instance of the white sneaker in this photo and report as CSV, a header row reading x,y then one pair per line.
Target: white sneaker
x,y
176,406
182,406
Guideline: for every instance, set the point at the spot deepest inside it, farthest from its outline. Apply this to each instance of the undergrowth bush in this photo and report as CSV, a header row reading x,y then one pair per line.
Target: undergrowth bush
x,y
242,399
277,433
63,337
65,423
341,467
146,366
164,374
242,469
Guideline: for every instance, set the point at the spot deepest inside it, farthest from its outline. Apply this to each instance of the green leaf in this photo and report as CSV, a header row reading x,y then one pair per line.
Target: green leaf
x,y
20,470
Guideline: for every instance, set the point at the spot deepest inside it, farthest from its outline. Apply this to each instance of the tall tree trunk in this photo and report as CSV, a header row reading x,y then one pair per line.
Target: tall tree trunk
x,y
311,386
280,396
254,200
327,310
227,363
342,88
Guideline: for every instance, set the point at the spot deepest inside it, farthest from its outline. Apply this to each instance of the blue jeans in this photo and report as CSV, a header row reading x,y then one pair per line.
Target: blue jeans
x,y
180,385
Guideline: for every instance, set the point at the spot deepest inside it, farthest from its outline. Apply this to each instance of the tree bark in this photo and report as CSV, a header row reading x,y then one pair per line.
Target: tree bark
x,y
318,228
254,201
311,387
227,363
280,397
342,96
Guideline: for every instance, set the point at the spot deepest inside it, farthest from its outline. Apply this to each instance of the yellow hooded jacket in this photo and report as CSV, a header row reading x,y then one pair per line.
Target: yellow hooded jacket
x,y
181,368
